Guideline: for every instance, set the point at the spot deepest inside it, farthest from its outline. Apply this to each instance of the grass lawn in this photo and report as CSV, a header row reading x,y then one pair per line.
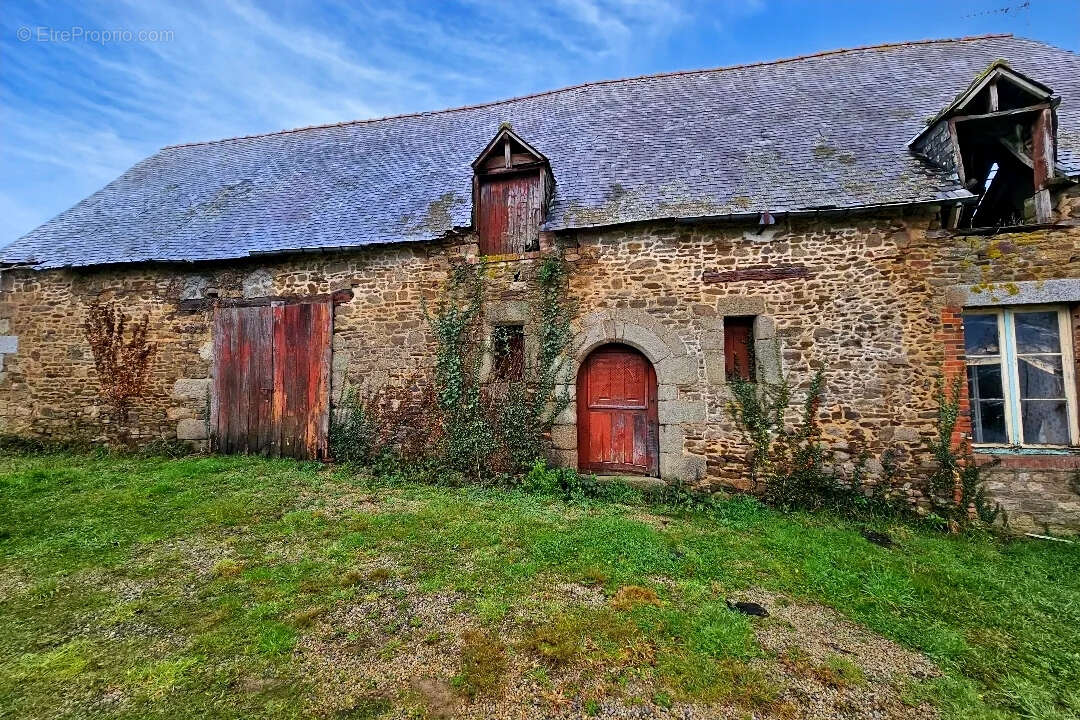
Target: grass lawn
x,y
242,587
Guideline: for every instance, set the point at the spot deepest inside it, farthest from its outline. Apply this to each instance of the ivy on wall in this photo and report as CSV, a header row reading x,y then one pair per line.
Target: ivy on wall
x,y
478,425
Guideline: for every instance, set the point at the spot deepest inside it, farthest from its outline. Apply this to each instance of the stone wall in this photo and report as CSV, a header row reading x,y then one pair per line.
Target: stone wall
x,y
49,386
863,296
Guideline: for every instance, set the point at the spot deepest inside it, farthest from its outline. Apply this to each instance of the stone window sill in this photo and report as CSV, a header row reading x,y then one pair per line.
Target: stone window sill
x,y
1021,450
1029,458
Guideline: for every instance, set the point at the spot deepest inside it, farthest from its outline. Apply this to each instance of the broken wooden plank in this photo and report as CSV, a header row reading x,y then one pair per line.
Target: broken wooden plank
x,y
1017,152
757,272
1003,113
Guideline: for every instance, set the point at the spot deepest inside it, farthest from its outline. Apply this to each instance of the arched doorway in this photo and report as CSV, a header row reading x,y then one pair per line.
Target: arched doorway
x,y
617,430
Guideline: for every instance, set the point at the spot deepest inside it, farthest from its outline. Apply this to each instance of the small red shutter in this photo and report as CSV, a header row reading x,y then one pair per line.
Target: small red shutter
x,y
738,348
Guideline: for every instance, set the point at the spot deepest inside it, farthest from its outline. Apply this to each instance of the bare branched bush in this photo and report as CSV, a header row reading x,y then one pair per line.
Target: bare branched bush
x,y
122,363
393,418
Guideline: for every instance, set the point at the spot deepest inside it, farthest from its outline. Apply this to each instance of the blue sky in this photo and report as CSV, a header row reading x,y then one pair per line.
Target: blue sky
x,y
76,111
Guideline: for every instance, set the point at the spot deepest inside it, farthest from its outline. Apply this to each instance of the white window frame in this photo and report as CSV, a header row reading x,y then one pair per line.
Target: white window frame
x,y
1010,376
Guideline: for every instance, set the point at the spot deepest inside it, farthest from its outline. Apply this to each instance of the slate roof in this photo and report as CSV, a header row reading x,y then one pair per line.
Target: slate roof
x,y
823,131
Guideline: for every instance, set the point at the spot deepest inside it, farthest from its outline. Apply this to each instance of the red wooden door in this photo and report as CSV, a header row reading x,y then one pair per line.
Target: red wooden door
x,y
510,209
617,419
271,380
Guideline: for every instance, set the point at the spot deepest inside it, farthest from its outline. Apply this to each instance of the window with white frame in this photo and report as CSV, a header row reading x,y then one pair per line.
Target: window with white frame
x,y
1020,372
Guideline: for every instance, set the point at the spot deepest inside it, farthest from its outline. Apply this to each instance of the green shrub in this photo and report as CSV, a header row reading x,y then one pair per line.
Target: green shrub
x,y
957,492
351,430
791,466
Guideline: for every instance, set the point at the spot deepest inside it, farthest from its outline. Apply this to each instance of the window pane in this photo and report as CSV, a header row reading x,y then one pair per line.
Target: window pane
x,y
1037,332
1041,377
984,381
989,421
1045,422
981,334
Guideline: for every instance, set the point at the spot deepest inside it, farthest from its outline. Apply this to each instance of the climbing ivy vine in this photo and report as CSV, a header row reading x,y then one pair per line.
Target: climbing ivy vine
x,y
496,425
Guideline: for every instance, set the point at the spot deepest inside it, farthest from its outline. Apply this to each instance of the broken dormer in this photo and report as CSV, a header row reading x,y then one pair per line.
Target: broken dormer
x,y
998,136
512,184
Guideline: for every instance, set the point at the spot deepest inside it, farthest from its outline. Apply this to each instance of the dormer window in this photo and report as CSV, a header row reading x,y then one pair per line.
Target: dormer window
x,y
998,137
511,189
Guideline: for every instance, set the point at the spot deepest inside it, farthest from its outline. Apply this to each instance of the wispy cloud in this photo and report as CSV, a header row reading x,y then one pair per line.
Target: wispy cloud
x,y
75,114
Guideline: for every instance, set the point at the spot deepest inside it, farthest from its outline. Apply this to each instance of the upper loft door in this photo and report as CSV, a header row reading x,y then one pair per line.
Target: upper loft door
x,y
271,380
510,212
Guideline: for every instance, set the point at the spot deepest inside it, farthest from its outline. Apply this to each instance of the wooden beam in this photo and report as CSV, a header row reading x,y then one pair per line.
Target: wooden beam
x,y
506,153
993,89
1002,113
757,272
203,304
1042,148
1043,209
1017,153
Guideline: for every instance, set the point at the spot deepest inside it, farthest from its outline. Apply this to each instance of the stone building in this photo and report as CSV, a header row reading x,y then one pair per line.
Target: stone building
x,y
893,214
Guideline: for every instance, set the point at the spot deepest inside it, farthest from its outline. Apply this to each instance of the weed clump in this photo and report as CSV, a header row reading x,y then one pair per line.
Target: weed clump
x,y
483,664
557,643
226,568
629,597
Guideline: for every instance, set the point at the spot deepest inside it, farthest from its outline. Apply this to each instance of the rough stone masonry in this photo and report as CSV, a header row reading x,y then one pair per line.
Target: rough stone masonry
x,y
870,304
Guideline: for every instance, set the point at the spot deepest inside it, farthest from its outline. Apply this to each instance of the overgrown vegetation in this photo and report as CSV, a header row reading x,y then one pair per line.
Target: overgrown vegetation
x,y
245,587
122,359
956,486
791,466
485,428
789,463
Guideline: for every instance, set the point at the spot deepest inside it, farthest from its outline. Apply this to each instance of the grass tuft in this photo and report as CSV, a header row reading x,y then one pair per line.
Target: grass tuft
x,y
629,597
483,663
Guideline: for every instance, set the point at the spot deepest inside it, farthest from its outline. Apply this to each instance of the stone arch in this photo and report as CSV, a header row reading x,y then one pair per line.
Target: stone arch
x,y
674,367
642,332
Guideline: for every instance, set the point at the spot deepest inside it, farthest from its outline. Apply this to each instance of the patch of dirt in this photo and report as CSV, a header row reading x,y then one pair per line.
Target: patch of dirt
x,y
191,554
340,504
14,582
578,593
833,668
402,649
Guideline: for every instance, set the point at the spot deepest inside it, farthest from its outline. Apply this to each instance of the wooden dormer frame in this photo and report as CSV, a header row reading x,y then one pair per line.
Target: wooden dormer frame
x,y
503,144
983,106
990,78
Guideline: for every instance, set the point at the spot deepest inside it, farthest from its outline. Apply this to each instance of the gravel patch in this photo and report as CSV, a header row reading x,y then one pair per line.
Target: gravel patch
x,y
398,650
810,641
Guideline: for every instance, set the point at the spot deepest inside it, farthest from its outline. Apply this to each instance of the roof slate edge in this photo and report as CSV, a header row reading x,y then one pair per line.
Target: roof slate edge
x,y
731,217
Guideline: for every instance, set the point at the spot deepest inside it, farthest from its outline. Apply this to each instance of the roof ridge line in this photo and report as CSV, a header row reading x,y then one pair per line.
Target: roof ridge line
x,y
591,83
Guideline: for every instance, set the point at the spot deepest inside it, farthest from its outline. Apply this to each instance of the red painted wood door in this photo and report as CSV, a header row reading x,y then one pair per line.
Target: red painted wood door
x,y
617,413
510,209
272,380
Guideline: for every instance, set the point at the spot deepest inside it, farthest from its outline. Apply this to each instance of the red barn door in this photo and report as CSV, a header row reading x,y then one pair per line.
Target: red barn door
x,y
617,415
272,380
510,214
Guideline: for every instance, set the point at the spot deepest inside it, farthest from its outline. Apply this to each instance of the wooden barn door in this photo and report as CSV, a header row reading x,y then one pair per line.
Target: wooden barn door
x,y
271,379
510,214
617,413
